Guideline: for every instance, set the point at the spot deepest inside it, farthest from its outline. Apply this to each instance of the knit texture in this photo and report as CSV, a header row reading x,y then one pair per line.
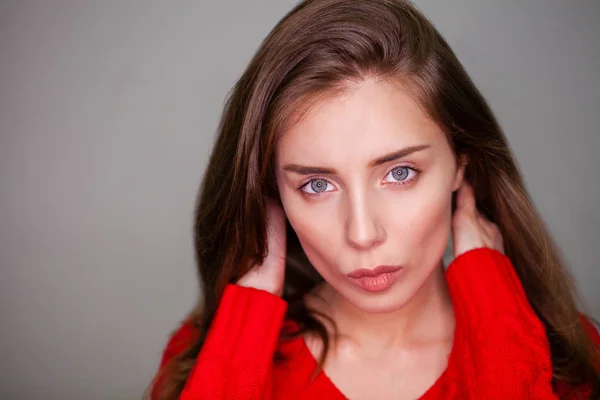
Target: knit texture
x,y
500,348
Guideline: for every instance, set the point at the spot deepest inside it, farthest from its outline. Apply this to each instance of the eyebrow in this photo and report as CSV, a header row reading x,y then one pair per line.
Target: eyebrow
x,y
308,170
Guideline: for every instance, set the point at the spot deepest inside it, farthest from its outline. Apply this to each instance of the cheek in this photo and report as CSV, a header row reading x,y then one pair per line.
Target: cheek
x,y
317,229
304,215
312,229
422,228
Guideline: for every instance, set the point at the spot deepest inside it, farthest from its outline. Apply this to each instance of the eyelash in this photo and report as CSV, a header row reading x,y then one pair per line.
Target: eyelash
x,y
413,168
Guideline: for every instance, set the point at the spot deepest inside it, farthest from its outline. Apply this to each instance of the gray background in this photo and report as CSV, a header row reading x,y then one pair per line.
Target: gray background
x,y
107,115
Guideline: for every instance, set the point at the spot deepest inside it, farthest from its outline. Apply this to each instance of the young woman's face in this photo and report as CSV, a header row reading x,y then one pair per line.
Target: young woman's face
x,y
366,180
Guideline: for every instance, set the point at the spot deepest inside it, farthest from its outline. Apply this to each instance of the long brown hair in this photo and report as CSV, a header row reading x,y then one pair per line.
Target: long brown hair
x,y
316,50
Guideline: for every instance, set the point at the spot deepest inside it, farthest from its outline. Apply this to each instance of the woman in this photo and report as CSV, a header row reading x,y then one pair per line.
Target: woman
x,y
349,151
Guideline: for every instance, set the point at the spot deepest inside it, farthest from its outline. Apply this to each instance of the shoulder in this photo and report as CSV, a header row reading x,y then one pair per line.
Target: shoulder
x,y
590,328
179,340
568,391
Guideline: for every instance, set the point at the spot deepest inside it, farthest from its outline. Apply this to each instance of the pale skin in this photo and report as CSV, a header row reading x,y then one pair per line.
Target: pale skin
x,y
366,208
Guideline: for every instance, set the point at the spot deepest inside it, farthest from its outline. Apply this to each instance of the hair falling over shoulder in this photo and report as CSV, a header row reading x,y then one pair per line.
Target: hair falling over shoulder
x,y
317,50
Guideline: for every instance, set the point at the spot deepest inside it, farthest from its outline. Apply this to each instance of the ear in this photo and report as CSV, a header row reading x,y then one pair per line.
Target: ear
x,y
461,166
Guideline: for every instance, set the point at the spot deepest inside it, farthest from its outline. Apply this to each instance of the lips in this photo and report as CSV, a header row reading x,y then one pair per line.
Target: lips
x,y
377,279
382,269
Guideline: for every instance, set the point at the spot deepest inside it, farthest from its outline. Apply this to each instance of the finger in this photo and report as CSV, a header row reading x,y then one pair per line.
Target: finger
x,y
497,238
465,197
493,235
276,238
482,220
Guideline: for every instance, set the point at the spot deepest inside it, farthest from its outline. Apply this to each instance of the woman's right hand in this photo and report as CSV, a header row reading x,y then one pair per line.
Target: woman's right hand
x,y
269,275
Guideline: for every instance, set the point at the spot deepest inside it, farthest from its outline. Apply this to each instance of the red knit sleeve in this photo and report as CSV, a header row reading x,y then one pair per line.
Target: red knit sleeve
x,y
506,343
236,359
178,342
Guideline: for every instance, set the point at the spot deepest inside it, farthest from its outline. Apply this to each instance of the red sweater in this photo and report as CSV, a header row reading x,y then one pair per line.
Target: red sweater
x,y
500,348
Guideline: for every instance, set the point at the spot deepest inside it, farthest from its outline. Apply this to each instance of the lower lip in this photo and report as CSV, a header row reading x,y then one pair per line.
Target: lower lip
x,y
377,283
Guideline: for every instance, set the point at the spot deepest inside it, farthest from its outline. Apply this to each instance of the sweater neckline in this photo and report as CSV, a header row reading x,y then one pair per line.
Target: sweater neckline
x,y
324,382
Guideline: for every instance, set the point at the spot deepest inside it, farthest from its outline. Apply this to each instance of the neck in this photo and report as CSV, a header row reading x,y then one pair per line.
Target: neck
x,y
427,318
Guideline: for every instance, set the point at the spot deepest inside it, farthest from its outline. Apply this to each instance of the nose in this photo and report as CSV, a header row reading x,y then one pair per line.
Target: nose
x,y
363,230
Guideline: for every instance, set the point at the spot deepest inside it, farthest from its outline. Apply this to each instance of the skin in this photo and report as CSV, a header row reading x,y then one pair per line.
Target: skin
x,y
361,214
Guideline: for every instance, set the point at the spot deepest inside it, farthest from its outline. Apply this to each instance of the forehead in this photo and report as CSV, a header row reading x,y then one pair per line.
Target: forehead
x,y
367,121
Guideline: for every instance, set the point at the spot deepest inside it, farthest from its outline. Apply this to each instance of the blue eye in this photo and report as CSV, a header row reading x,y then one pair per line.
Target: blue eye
x,y
316,186
401,174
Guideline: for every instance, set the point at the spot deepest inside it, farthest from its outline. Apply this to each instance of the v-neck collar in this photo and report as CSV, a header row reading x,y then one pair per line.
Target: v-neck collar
x,y
322,383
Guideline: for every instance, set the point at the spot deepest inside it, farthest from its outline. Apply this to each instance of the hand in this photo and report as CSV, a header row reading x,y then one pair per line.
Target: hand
x,y
270,274
470,229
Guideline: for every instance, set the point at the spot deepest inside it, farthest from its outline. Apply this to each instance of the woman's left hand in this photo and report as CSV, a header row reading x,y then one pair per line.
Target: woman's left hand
x,y
470,229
